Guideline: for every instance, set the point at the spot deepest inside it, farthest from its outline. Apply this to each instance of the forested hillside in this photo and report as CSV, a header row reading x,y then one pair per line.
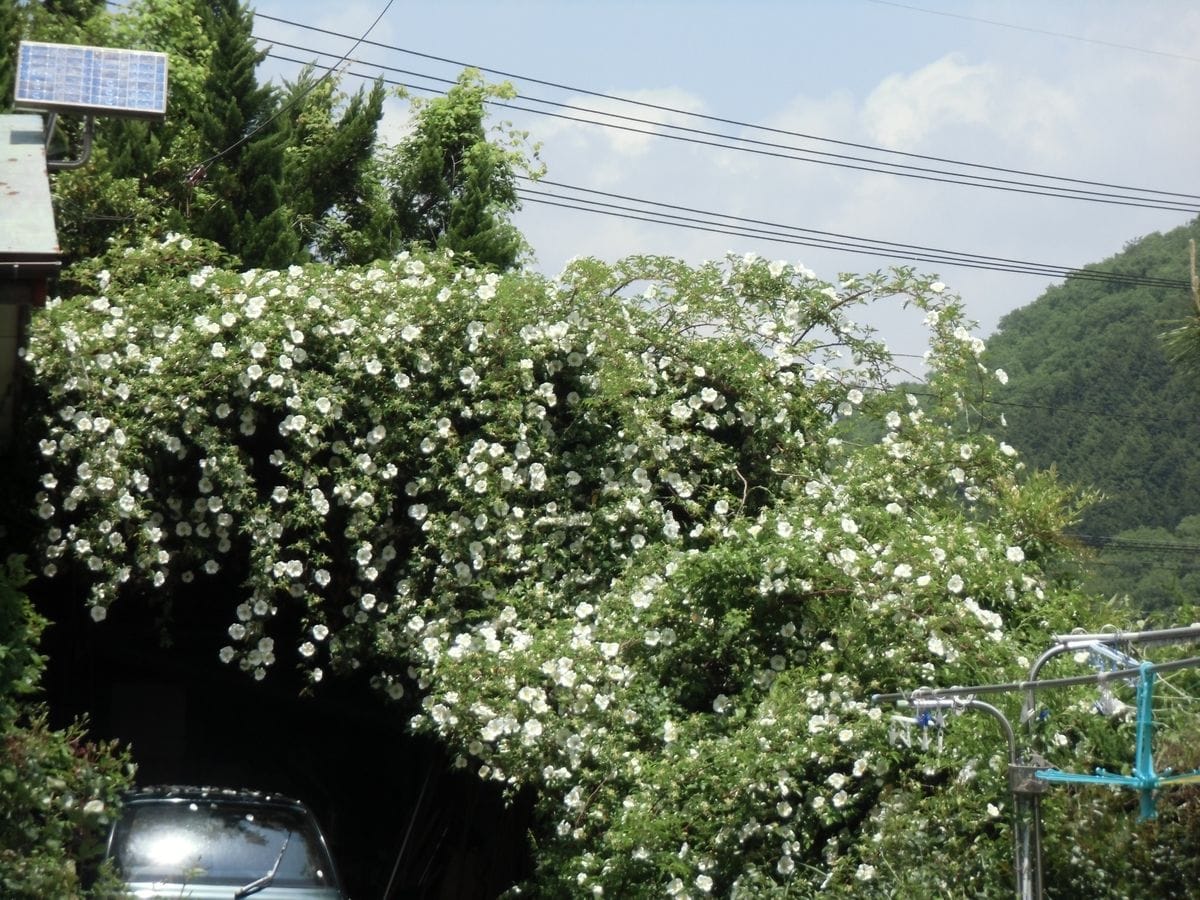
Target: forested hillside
x,y
1092,391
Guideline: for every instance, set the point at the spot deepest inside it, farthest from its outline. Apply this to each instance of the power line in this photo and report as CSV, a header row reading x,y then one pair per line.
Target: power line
x,y
795,235
859,164
716,228
743,226
776,150
720,119
776,237
768,149
201,168
1119,543
1133,196
1029,30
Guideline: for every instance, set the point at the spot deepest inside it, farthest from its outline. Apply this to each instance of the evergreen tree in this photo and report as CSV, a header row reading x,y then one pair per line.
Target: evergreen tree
x,y
454,189
274,176
246,142
63,21
77,10
135,182
330,179
1093,392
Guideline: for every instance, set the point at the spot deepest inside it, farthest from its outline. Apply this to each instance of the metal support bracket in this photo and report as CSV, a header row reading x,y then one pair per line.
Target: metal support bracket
x,y
1022,779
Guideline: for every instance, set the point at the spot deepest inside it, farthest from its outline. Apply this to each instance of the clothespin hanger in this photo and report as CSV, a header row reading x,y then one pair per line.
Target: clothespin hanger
x,y
900,731
1143,779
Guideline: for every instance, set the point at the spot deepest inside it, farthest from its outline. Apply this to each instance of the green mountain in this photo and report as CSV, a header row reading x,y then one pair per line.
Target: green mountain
x,y
1093,391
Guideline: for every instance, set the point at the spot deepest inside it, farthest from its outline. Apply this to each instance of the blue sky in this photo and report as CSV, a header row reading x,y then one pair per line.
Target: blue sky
x,y
1042,87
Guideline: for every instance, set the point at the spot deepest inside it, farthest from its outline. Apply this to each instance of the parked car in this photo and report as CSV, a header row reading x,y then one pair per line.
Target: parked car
x,y
206,843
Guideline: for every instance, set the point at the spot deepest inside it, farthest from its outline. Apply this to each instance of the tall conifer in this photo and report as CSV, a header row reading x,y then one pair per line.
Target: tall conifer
x,y
330,180
245,211
453,188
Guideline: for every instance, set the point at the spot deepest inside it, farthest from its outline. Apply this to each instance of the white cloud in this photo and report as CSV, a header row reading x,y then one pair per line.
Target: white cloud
x,y
952,99
906,109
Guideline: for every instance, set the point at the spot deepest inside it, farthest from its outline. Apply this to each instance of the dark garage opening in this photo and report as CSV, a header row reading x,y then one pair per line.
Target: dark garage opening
x,y
189,719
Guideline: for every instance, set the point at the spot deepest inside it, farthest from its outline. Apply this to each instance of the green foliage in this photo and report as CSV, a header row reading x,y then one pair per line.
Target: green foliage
x,y
1154,568
279,176
57,792
331,179
451,187
599,535
136,182
20,630
11,28
1183,341
244,142
76,10
1091,390
61,20
1095,392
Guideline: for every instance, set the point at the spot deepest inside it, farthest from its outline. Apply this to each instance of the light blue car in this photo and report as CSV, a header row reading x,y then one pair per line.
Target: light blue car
x,y
206,843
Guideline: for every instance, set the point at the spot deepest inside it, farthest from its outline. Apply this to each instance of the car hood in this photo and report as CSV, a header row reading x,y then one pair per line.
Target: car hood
x,y
162,890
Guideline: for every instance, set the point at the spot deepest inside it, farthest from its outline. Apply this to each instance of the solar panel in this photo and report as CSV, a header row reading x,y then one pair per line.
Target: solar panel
x,y
102,80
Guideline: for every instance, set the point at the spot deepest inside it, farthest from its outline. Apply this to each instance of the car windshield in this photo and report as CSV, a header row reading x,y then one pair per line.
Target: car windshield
x,y
218,842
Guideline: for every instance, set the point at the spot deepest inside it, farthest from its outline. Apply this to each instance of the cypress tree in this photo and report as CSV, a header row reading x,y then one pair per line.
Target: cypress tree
x,y
451,187
331,183
245,136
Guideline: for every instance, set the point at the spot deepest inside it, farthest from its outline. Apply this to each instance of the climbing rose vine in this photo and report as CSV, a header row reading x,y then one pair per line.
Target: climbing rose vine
x,y
614,537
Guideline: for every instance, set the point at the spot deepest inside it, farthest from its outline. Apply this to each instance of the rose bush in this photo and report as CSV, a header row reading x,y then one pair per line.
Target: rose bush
x,y
57,790
604,535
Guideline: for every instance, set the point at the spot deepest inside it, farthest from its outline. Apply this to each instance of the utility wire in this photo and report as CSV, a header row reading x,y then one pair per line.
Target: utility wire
x,y
820,156
694,224
856,163
1029,30
744,227
803,154
827,159
717,228
827,239
201,168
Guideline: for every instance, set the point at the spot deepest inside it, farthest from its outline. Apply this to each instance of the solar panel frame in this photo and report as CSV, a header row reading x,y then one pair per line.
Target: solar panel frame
x,y
93,80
